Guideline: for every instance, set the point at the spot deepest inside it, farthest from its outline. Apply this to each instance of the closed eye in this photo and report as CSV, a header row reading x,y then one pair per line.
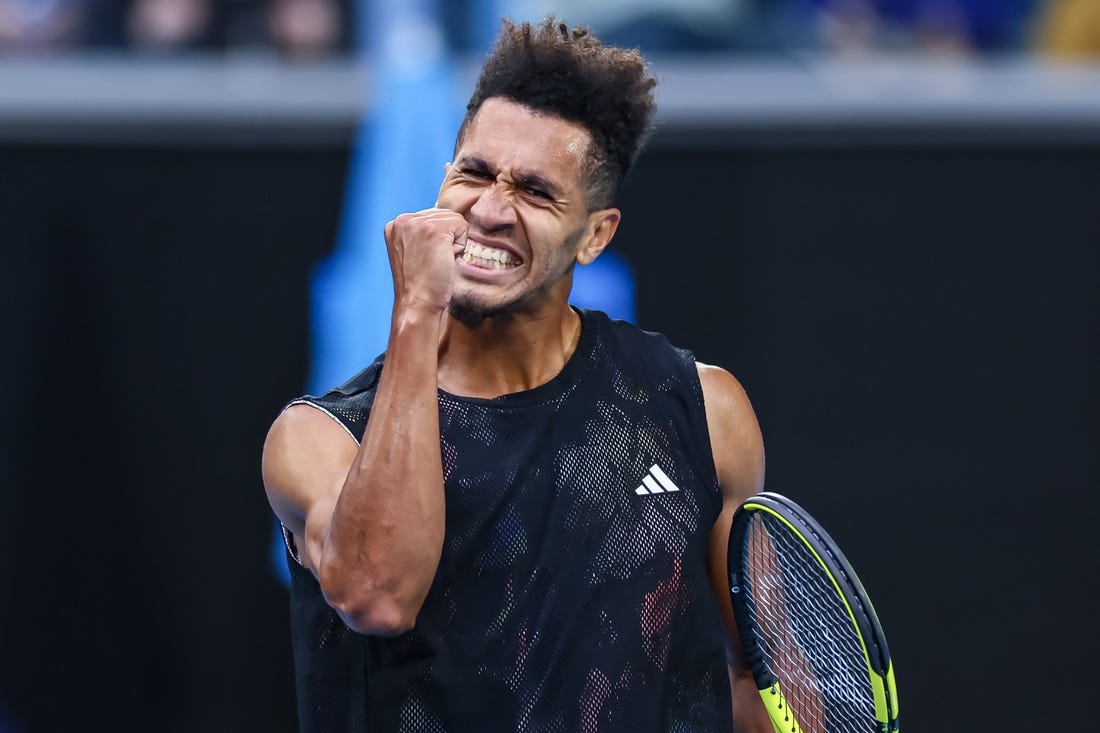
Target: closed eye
x,y
537,187
537,193
477,173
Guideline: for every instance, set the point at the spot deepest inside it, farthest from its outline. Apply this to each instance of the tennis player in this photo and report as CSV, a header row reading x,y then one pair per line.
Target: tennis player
x,y
516,518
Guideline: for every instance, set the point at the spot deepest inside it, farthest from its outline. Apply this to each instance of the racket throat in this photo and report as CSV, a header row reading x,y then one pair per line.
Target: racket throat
x,y
779,711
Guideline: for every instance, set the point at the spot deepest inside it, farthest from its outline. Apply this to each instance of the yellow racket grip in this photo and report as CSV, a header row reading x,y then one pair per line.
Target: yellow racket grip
x,y
783,719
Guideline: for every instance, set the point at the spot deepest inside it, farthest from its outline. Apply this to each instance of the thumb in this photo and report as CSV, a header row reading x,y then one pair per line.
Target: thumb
x,y
460,234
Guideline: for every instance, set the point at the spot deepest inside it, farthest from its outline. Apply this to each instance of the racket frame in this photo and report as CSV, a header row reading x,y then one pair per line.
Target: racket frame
x,y
842,576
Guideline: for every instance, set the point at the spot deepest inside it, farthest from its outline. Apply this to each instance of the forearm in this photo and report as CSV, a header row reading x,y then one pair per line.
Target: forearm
x,y
383,543
749,713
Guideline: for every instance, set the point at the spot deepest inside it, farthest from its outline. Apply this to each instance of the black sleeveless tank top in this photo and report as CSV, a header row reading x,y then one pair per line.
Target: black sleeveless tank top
x,y
572,595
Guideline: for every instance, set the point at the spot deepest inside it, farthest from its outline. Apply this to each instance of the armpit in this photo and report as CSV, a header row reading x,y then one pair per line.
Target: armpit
x,y
291,546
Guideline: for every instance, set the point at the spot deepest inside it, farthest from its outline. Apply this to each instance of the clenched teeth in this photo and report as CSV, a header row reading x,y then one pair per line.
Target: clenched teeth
x,y
494,259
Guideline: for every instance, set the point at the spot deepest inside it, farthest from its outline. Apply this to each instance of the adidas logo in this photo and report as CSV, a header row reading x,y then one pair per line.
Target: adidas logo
x,y
655,481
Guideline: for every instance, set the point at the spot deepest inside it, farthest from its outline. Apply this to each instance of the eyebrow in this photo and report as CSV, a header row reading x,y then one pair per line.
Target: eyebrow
x,y
525,179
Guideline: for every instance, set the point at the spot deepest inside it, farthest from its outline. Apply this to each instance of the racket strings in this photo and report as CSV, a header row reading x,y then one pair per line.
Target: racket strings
x,y
806,637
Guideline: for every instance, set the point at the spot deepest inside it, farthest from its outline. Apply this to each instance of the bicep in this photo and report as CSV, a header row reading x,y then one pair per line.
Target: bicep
x,y
739,462
735,437
306,458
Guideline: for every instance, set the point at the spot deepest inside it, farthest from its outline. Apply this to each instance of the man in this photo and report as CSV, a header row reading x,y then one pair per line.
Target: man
x,y
517,519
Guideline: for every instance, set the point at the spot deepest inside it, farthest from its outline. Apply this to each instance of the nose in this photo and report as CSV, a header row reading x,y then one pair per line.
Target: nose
x,y
494,209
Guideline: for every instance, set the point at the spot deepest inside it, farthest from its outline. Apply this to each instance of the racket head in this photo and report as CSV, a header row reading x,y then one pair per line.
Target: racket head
x,y
807,627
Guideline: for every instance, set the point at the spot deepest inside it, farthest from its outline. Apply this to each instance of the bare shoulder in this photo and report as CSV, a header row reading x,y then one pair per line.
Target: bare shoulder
x,y
728,406
306,457
734,433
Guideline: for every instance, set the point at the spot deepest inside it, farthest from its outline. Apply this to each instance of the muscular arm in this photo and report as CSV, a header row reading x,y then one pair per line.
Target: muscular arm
x,y
372,516
739,459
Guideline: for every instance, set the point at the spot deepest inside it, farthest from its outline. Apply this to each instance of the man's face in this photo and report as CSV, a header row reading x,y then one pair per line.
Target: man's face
x,y
516,178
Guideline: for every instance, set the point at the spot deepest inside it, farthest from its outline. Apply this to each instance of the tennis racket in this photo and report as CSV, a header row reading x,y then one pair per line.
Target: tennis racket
x,y
807,628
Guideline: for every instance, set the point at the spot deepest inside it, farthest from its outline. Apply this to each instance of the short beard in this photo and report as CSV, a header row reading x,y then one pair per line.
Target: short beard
x,y
468,314
471,314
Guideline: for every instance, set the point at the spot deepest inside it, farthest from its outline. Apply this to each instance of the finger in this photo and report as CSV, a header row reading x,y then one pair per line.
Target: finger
x,y
456,223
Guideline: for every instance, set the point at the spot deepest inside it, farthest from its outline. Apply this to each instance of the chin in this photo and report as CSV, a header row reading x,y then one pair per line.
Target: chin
x,y
471,312
467,314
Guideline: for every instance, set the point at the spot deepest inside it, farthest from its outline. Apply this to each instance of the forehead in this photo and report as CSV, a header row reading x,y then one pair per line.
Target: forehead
x,y
509,136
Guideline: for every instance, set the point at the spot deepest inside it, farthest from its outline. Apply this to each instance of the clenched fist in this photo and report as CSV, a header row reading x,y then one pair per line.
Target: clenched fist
x,y
422,248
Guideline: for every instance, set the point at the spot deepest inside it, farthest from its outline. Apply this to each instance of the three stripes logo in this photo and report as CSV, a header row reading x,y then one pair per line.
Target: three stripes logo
x,y
655,481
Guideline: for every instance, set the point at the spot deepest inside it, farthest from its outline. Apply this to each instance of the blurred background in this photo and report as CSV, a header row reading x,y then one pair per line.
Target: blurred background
x,y
881,215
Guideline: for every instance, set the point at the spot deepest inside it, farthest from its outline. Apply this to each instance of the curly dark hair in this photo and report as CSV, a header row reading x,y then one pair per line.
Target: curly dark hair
x,y
569,73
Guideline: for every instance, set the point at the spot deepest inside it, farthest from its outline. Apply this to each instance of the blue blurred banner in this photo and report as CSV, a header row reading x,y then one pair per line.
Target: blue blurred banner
x,y
397,166
607,285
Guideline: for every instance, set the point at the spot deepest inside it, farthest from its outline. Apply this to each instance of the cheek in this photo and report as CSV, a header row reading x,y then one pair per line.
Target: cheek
x,y
547,247
455,197
556,259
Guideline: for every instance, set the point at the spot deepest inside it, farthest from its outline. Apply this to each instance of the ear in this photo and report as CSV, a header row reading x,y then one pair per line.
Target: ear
x,y
601,228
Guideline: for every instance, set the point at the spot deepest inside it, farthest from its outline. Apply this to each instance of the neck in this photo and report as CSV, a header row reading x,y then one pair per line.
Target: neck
x,y
506,354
